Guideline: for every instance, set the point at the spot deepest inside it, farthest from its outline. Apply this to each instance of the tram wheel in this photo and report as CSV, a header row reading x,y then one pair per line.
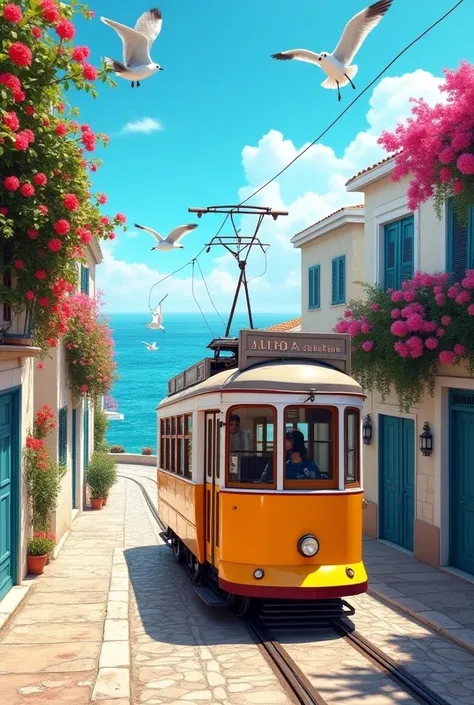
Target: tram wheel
x,y
240,605
194,567
177,549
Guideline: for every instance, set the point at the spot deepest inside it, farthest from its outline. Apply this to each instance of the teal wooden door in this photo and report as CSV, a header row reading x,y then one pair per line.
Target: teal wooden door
x,y
74,459
86,434
397,480
462,480
9,484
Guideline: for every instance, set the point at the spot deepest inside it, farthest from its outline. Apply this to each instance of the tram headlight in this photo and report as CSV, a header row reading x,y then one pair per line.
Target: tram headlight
x,y
308,546
258,573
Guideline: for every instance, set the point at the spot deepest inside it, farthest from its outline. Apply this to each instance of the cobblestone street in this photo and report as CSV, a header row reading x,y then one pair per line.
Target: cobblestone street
x,y
115,620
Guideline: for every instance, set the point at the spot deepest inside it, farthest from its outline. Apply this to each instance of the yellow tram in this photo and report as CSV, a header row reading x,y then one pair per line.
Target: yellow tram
x,y
259,468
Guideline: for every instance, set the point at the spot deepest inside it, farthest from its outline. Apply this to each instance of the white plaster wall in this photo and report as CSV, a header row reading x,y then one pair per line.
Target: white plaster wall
x,y
386,201
346,240
15,373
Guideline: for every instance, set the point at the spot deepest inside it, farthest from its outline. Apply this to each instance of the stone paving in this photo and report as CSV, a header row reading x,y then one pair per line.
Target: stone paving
x,y
115,621
51,649
440,600
184,652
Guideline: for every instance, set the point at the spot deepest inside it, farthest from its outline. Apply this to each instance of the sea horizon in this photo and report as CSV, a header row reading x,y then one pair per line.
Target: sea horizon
x,y
143,374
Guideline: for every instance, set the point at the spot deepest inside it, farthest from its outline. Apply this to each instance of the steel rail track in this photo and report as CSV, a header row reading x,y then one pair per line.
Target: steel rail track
x,y
292,677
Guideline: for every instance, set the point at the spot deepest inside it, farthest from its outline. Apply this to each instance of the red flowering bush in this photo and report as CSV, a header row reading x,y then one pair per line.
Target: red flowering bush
x,y
43,476
47,212
89,348
436,145
41,543
400,337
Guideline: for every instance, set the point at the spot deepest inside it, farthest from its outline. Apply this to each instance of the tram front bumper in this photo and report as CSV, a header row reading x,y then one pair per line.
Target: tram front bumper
x,y
294,582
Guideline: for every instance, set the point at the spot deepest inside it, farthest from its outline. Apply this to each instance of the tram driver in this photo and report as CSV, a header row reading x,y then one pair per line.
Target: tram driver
x,y
240,439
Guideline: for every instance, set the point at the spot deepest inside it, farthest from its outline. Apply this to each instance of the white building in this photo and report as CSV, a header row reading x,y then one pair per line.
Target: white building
x,y
422,504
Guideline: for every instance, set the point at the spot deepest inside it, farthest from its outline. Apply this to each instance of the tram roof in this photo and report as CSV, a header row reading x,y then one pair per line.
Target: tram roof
x,y
281,375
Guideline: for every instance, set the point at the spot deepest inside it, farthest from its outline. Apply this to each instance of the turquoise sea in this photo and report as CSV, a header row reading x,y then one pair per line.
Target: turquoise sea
x,y
143,375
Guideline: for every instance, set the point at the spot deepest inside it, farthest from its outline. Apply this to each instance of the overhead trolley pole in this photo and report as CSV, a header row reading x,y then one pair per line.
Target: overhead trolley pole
x,y
239,246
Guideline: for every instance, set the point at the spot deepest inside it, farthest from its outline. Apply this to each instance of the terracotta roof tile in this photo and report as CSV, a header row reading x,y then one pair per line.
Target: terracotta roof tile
x,y
374,166
339,210
286,325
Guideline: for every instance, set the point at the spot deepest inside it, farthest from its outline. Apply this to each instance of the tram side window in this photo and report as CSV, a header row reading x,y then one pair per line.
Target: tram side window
x,y
352,447
310,445
176,445
250,445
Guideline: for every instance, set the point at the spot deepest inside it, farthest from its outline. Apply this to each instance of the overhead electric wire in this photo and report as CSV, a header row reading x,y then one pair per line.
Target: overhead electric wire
x,y
209,294
197,302
309,146
358,96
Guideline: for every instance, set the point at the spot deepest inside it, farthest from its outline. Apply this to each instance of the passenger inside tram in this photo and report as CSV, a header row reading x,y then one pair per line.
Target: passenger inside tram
x,y
308,445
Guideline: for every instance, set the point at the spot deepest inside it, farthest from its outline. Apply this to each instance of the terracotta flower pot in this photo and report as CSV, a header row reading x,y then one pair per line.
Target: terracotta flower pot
x,y
97,503
104,501
36,564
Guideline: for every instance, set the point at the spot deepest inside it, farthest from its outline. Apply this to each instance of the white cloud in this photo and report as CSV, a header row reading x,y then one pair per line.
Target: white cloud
x,y
311,189
145,126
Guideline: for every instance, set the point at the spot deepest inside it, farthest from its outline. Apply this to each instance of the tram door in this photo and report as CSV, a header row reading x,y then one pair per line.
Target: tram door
x,y
212,470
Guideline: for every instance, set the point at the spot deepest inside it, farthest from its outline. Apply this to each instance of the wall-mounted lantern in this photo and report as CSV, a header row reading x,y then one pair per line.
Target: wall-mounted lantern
x,y
426,440
367,430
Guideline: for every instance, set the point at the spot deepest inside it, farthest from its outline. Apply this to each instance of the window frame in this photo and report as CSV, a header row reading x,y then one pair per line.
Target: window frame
x,y
250,485
353,483
315,303
336,299
331,484
170,444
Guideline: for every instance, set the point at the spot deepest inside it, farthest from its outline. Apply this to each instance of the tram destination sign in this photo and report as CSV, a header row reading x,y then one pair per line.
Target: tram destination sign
x,y
260,345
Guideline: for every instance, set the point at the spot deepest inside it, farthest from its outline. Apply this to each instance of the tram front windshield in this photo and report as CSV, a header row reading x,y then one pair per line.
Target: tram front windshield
x,y
308,446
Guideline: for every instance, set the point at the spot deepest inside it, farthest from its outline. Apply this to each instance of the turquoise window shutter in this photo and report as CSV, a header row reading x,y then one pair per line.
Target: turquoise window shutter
x,y
62,433
314,287
399,251
338,280
407,235
84,280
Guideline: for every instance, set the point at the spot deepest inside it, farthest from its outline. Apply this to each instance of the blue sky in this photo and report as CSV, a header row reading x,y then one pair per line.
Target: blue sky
x,y
220,93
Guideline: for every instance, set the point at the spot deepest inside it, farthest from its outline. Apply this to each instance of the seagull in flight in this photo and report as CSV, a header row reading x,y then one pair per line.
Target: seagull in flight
x,y
172,241
151,346
157,318
137,63
337,65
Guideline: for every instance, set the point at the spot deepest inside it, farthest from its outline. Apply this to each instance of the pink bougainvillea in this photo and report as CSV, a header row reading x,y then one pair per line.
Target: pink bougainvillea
x,y
89,348
436,145
398,345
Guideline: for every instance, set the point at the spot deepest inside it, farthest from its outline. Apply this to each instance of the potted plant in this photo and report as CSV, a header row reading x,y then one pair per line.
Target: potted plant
x,y
39,547
100,476
147,451
117,449
111,474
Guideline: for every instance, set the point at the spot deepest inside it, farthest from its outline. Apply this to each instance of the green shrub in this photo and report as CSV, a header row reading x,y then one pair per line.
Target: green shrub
x,y
101,424
117,449
102,447
101,474
41,543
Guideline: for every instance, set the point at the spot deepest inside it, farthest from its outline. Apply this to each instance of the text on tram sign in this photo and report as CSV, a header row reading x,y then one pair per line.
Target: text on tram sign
x,y
289,346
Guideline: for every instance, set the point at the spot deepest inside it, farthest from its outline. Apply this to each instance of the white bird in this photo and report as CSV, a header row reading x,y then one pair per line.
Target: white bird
x,y
337,65
157,318
149,346
137,63
172,241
